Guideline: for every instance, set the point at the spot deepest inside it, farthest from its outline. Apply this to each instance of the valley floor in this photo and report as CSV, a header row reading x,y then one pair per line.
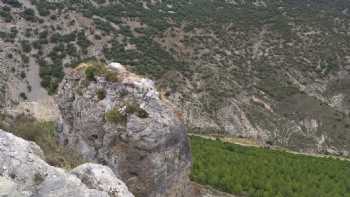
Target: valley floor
x,y
251,143
250,170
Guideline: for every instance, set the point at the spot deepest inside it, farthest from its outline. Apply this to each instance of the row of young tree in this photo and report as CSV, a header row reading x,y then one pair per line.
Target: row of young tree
x,y
267,173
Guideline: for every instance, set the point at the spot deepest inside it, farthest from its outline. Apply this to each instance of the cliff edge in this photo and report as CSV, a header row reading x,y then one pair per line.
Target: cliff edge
x,y
117,118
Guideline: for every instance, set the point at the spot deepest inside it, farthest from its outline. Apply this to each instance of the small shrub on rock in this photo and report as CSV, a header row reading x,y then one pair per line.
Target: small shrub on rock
x,y
101,94
90,73
134,108
141,113
38,179
111,76
115,116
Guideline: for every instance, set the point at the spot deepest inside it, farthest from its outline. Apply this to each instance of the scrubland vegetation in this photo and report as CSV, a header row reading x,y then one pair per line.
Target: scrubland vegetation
x,y
43,134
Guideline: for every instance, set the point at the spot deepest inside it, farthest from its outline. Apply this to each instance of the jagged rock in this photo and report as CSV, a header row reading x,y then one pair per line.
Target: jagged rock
x,y
148,147
23,172
101,178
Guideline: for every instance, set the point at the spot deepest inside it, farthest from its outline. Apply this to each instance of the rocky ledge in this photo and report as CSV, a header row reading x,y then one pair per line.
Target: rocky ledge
x,y
24,173
116,118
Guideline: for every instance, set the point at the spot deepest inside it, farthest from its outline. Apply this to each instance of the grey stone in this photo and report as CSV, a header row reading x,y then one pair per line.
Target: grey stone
x,y
8,188
23,172
101,178
150,154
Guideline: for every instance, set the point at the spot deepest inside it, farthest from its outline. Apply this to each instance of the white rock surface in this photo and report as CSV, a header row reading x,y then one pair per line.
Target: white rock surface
x,y
23,172
101,178
117,66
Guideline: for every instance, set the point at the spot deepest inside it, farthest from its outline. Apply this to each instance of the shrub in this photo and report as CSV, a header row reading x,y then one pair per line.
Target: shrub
x,y
101,94
134,108
115,116
25,59
23,96
83,42
51,75
90,73
141,113
5,13
38,179
29,15
43,35
111,76
104,26
44,135
26,47
13,3
43,11
23,74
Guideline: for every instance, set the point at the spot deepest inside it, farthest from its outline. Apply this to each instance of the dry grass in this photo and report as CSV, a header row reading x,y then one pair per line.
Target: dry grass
x,y
44,135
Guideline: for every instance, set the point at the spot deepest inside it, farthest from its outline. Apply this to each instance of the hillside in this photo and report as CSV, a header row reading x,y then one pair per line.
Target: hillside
x,y
274,71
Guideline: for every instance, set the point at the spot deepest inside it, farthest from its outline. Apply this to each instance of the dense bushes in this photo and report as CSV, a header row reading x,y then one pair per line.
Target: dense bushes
x,y
29,15
260,172
44,6
103,25
13,3
83,42
5,13
51,75
65,38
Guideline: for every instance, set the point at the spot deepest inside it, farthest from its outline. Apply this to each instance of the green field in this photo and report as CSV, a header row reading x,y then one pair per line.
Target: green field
x,y
249,171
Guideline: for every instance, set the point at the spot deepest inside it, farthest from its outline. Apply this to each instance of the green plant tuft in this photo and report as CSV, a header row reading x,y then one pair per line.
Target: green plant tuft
x,y
134,108
115,116
111,76
101,94
90,73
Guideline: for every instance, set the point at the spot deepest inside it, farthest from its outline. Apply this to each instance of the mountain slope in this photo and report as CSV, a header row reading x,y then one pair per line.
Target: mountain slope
x,y
275,71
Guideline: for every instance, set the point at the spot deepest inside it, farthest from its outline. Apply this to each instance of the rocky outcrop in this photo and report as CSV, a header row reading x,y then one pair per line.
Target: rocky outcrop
x,y
118,119
24,173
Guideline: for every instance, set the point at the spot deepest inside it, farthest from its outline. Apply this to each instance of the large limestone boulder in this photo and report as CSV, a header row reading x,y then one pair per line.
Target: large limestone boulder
x,y
101,178
24,173
118,119
8,188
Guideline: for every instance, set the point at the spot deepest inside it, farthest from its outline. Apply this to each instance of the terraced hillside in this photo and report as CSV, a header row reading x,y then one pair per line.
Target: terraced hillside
x,y
275,71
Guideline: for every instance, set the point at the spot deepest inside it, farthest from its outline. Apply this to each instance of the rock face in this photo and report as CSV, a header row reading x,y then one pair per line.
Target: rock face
x,y
23,172
122,122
